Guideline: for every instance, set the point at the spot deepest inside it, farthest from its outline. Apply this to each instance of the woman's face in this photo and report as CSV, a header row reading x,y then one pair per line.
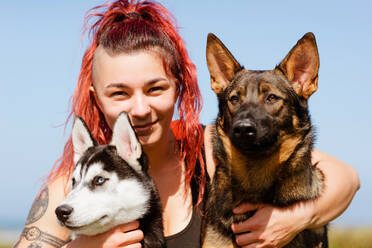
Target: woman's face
x,y
137,84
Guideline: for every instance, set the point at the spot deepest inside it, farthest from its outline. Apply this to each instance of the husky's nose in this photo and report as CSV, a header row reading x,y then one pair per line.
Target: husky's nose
x,y
244,130
63,212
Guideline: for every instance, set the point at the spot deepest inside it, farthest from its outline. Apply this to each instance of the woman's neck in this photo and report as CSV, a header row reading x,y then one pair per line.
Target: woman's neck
x,y
163,154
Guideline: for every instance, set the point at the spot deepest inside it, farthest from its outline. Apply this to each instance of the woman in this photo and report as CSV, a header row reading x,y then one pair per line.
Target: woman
x,y
137,63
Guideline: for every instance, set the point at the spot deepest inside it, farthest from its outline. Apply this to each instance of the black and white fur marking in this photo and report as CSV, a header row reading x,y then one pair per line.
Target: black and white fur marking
x,y
110,185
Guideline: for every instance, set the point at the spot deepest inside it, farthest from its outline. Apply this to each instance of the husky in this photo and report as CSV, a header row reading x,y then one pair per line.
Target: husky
x,y
110,185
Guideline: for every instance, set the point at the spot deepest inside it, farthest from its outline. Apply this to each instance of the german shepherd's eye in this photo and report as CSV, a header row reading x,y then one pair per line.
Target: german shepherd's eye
x,y
271,98
98,180
234,99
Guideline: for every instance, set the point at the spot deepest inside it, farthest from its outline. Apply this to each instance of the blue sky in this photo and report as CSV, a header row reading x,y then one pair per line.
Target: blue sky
x,y
40,54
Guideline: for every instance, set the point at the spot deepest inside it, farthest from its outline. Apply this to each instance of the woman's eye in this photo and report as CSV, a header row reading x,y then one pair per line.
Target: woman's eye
x,y
234,99
119,93
271,98
153,89
98,180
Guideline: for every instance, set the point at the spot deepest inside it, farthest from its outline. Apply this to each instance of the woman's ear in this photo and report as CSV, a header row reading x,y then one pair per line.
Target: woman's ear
x,y
93,91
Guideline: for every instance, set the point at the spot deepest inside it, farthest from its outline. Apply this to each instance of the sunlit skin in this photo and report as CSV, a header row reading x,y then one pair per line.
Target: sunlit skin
x,y
138,84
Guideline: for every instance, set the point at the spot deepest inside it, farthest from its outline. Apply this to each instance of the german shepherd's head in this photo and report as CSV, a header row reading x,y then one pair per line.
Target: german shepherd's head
x,y
259,110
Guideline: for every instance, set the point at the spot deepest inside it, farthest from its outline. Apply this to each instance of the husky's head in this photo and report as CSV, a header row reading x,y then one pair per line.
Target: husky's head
x,y
107,185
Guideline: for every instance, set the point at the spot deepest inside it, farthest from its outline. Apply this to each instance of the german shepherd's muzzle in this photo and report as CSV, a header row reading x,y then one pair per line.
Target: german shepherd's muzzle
x,y
262,139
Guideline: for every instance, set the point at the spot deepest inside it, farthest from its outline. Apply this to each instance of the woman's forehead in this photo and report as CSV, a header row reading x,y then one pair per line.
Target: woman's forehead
x,y
138,67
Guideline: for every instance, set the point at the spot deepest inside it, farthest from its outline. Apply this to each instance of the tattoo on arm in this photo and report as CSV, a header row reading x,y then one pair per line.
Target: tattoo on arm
x,y
35,245
37,236
39,207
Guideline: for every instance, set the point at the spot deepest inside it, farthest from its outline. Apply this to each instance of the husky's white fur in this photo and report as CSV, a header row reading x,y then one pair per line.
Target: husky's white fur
x,y
99,199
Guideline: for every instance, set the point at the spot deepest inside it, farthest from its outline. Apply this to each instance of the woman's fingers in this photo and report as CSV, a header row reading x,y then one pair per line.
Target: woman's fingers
x,y
245,207
132,237
128,226
136,245
125,234
246,238
241,227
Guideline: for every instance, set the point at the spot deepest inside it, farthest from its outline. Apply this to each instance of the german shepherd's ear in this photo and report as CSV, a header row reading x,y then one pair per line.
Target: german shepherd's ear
x,y
125,140
81,137
301,66
221,64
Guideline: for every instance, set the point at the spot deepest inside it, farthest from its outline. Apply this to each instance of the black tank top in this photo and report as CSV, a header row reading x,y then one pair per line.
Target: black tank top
x,y
189,237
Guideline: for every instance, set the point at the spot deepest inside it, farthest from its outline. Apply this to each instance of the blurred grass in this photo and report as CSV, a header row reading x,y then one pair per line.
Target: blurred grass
x,y
350,237
338,238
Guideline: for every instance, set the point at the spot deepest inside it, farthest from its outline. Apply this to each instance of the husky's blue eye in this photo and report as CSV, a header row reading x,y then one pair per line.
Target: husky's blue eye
x,y
98,180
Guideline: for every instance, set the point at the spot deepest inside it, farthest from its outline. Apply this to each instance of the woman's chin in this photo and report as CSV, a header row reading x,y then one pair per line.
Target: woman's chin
x,y
156,138
148,139
145,140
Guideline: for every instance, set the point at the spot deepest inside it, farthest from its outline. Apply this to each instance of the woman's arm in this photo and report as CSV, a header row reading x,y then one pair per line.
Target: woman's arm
x,y
42,228
341,184
275,227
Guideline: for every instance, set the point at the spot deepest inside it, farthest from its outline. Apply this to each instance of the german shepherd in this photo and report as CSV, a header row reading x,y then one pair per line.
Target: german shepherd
x,y
262,139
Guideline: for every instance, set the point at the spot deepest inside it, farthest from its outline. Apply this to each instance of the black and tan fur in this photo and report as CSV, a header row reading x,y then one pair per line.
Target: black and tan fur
x,y
262,139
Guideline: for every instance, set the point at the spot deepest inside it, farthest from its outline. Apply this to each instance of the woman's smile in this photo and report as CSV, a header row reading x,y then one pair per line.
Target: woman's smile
x,y
144,129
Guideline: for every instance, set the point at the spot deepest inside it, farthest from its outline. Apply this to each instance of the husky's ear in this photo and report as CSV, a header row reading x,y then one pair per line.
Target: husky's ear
x,y
126,142
81,138
301,66
221,64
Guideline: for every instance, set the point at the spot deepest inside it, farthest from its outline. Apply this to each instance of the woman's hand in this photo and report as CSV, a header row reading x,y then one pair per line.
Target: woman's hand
x,y
126,235
270,226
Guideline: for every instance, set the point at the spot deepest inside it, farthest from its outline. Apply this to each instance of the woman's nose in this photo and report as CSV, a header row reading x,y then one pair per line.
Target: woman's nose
x,y
140,107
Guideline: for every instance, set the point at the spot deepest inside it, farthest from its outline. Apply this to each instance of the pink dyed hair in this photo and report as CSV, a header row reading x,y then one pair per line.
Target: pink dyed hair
x,y
127,26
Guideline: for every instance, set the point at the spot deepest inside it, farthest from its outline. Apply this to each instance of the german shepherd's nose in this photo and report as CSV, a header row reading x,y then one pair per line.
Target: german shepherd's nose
x,y
63,212
245,129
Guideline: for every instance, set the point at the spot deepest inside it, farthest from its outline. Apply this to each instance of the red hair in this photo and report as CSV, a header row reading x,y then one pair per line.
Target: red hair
x,y
127,26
